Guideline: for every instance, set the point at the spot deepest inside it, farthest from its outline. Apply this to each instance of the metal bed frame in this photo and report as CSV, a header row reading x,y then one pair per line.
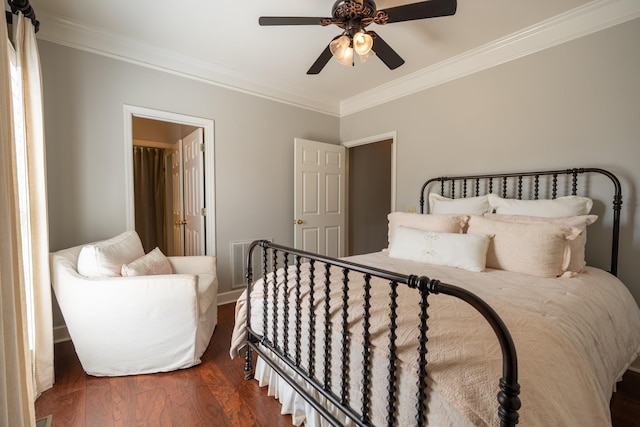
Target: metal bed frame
x,y
514,183
275,256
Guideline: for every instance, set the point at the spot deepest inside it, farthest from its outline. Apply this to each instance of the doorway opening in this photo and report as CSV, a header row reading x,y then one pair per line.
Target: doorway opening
x,y
170,181
371,192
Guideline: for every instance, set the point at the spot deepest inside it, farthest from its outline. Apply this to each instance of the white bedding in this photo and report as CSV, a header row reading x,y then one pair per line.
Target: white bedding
x,y
574,337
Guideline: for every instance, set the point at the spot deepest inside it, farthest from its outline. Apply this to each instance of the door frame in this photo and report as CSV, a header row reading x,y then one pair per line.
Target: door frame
x,y
131,111
393,136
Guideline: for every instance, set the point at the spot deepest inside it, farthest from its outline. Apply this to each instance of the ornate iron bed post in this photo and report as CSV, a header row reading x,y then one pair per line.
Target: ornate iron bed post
x,y
617,208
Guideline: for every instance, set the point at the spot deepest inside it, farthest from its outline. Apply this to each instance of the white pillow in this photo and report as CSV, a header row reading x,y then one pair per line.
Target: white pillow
x,y
466,251
105,258
562,206
467,205
152,263
440,223
538,249
577,260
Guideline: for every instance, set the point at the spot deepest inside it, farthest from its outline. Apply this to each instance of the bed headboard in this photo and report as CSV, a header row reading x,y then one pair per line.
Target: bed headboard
x,y
530,186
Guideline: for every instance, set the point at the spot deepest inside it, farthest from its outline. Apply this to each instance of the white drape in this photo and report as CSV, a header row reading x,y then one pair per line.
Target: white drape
x,y
25,372
16,391
29,64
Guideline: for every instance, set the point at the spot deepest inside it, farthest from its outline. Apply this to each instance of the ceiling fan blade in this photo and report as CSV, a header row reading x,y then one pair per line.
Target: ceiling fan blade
x,y
322,60
386,54
422,10
289,20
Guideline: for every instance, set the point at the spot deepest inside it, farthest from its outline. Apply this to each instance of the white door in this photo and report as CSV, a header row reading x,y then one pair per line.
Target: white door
x,y
177,220
194,213
319,197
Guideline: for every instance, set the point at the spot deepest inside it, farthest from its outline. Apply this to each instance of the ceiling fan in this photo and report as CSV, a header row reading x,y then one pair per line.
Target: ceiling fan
x,y
354,16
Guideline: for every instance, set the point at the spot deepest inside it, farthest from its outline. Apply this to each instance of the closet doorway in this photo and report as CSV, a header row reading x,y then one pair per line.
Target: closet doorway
x,y
170,181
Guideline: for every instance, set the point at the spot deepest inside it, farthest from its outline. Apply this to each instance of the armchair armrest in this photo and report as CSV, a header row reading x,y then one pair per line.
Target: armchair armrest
x,y
193,264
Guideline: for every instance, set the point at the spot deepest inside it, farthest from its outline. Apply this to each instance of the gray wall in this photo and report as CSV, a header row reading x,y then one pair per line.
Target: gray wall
x,y
84,95
577,104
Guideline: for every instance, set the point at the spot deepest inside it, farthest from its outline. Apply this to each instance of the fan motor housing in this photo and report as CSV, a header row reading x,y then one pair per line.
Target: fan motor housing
x,y
348,10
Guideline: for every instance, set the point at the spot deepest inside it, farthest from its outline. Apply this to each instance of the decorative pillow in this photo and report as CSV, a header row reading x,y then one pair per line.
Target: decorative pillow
x,y
105,258
562,206
439,223
538,249
467,205
466,251
152,263
576,246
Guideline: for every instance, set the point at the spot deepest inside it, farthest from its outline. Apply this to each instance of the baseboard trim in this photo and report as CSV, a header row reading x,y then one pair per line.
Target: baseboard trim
x,y
60,334
229,297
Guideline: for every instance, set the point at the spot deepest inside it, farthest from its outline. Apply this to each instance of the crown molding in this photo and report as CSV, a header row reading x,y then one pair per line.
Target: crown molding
x,y
592,17
97,40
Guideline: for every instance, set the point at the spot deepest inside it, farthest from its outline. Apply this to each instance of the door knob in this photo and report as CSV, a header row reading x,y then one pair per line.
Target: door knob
x,y
298,222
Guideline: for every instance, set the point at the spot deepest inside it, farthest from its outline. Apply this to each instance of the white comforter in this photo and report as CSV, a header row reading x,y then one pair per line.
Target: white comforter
x,y
574,337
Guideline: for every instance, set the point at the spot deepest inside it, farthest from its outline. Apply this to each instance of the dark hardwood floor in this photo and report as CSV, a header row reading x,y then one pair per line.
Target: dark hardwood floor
x,y
625,403
213,393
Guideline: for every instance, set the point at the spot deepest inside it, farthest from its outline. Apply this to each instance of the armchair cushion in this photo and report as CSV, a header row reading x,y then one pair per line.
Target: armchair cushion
x,y
105,258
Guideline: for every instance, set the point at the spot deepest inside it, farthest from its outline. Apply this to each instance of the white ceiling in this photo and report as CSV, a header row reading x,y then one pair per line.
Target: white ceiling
x,y
221,42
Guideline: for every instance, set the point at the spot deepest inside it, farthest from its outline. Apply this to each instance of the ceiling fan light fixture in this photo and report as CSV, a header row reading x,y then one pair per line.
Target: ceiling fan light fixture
x,y
365,57
341,50
353,17
362,43
346,58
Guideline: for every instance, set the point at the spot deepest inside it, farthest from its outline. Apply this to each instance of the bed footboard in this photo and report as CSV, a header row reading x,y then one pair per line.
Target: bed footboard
x,y
319,328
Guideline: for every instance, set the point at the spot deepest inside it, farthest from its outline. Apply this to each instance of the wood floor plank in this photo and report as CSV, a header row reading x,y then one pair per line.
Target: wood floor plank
x,y
232,403
124,399
98,403
68,409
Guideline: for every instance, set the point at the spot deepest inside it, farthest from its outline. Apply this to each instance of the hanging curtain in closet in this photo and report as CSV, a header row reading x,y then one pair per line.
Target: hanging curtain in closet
x,y
150,201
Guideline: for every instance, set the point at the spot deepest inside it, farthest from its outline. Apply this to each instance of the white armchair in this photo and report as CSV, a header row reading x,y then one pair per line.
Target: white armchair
x,y
141,324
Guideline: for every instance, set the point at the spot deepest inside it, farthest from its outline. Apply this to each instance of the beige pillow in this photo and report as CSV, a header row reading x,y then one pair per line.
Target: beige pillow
x,y
562,206
105,258
538,249
152,263
577,260
465,251
463,206
439,223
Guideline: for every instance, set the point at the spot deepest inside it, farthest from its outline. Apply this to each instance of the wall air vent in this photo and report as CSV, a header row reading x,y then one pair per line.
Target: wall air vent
x,y
239,250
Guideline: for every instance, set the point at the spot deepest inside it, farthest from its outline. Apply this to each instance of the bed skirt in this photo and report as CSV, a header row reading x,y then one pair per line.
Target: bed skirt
x,y
441,413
